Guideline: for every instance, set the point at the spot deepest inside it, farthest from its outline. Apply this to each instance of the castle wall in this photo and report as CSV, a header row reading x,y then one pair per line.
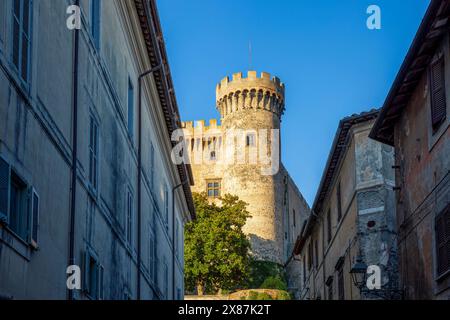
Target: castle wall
x,y
250,170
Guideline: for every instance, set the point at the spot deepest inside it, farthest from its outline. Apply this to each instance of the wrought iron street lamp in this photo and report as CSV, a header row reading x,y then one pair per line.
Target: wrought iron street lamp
x,y
359,273
359,277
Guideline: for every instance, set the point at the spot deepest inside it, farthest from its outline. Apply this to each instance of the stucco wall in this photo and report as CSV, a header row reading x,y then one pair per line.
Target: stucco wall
x,y
423,157
36,139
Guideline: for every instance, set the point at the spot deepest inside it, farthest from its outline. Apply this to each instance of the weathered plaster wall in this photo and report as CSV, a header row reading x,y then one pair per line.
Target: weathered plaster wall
x,y
365,176
423,157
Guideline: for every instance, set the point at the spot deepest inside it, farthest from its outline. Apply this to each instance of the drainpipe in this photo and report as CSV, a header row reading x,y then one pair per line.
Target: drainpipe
x,y
173,236
141,77
73,194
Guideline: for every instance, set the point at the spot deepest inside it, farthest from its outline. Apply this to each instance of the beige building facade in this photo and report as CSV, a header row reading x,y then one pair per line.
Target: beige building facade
x,y
353,217
86,178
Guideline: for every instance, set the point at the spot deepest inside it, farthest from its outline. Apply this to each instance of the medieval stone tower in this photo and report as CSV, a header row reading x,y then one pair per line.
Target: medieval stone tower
x,y
251,108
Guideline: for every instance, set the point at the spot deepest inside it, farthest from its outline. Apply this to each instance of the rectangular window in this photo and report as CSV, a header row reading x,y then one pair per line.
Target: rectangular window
x,y
93,153
250,141
438,96
339,202
19,205
18,210
22,37
130,108
95,22
213,188
129,218
442,226
329,225
93,277
341,289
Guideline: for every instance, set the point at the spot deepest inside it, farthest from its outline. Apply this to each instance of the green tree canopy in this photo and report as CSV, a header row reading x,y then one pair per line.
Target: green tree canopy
x,y
217,252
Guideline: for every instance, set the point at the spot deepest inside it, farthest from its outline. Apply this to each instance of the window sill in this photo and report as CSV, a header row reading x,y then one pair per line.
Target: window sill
x,y
16,243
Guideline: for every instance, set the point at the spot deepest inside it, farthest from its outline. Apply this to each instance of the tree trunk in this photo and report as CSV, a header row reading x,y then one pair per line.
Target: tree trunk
x,y
200,289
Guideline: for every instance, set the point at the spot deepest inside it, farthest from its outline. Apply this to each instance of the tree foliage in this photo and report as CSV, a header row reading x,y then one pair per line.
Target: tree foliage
x,y
216,249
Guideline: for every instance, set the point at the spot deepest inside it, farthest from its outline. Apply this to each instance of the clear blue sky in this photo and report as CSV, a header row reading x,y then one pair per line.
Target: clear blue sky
x,y
332,65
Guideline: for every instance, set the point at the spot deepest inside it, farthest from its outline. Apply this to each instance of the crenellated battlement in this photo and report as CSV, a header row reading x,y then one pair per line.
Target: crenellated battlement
x,y
190,126
252,92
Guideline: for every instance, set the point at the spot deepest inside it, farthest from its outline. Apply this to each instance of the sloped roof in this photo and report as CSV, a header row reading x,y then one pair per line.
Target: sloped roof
x,y
151,29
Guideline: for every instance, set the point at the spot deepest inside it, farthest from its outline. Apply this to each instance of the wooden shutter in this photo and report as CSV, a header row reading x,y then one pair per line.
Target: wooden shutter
x,y
438,97
34,218
443,241
5,182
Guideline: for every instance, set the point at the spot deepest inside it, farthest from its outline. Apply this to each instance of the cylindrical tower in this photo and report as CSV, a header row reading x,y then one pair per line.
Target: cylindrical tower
x,y
253,106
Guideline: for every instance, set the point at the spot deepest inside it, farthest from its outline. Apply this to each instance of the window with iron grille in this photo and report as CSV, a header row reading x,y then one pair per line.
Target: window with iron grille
x,y
438,96
22,37
213,188
442,226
